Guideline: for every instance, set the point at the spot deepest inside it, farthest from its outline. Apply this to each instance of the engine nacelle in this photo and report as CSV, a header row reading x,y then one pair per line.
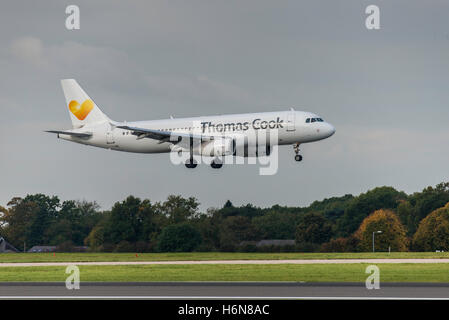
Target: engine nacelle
x,y
219,147
241,146
250,147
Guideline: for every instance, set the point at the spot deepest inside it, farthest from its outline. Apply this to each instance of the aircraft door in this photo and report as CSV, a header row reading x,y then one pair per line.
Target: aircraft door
x,y
110,136
291,121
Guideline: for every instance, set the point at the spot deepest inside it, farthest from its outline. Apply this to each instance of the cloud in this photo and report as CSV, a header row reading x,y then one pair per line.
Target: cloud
x,y
32,62
197,88
373,147
29,50
115,70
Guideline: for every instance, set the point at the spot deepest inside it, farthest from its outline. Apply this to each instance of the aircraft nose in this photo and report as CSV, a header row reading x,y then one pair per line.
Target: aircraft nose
x,y
330,129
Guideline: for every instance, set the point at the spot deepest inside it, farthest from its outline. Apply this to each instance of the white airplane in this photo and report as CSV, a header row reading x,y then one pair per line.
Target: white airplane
x,y
211,136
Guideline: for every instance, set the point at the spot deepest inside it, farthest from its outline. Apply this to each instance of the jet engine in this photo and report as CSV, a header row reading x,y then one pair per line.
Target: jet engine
x,y
219,147
250,147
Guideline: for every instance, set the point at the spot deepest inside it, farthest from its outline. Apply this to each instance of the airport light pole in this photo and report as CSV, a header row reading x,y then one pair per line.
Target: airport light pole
x,y
373,237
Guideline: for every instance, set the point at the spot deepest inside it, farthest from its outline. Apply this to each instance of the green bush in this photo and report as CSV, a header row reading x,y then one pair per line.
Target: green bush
x,y
349,244
66,246
124,246
179,238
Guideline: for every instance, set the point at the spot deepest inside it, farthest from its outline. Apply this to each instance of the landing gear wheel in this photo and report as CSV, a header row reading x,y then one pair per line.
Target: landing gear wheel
x,y
191,164
216,164
298,157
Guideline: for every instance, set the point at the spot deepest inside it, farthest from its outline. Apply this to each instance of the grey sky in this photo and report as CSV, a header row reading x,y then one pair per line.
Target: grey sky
x,y
385,91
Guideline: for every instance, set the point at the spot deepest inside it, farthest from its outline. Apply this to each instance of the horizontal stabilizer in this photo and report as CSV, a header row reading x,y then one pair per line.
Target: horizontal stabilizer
x,y
74,134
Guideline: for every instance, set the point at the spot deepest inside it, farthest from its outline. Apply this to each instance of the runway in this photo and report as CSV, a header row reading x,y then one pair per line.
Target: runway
x,y
224,290
293,261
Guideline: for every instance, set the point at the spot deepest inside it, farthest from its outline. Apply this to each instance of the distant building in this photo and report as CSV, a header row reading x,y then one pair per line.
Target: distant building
x,y
55,248
43,249
277,243
264,243
6,247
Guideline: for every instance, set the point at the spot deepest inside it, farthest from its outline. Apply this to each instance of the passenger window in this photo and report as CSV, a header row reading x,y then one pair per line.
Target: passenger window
x,y
308,120
313,119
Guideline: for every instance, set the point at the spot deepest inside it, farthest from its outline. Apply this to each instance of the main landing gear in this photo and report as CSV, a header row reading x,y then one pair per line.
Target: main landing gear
x,y
298,157
216,164
191,164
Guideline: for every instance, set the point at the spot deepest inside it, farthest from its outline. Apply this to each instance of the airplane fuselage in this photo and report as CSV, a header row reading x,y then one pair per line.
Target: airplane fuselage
x,y
292,127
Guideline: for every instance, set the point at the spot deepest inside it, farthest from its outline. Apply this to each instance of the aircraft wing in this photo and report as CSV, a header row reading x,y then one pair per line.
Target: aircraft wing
x,y
164,136
71,133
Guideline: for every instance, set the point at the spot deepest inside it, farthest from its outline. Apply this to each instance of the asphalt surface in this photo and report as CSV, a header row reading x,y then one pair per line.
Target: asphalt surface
x,y
223,290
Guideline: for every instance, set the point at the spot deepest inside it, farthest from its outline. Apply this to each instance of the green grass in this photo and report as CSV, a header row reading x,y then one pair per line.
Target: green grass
x,y
286,272
86,257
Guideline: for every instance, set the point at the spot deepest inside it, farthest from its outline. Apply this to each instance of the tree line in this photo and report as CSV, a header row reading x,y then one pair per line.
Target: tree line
x,y
409,222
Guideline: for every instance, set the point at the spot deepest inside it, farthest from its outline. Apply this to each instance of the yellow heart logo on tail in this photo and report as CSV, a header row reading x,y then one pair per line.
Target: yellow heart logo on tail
x,y
81,111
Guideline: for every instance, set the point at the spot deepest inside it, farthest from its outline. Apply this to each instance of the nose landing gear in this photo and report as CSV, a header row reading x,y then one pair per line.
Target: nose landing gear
x,y
298,157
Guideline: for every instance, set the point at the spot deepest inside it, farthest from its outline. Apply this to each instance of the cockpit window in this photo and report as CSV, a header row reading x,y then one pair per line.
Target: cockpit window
x,y
308,120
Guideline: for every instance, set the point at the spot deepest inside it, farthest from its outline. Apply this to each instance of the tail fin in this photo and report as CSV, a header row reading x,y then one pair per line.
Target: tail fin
x,y
81,108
